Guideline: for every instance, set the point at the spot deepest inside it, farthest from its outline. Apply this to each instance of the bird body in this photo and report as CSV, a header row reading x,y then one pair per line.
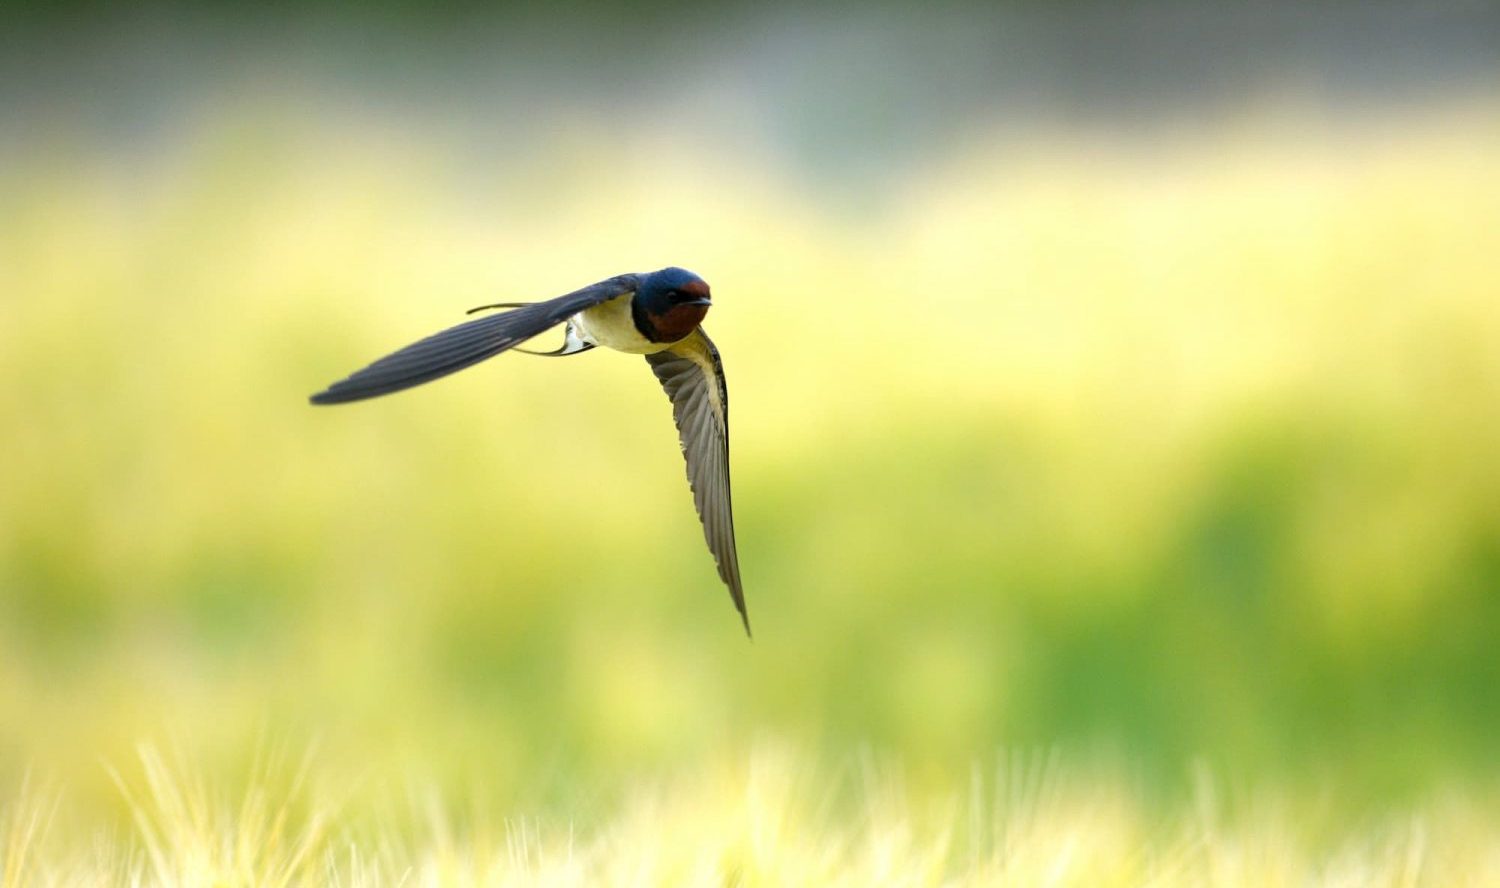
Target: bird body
x,y
658,315
612,325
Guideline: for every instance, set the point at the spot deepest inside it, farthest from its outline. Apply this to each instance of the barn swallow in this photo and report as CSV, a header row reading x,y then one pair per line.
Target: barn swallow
x,y
657,315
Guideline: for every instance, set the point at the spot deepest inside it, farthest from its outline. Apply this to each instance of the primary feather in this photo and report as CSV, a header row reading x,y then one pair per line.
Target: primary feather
x,y
467,344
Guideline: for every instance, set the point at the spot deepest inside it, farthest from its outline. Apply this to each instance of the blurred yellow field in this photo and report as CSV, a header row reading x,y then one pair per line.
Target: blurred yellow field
x,y
769,819
1177,455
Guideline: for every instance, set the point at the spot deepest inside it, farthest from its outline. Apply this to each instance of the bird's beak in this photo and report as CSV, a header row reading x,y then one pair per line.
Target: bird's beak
x,y
700,300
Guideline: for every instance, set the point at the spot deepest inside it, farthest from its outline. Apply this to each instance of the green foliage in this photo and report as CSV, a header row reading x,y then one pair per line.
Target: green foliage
x,y
1182,460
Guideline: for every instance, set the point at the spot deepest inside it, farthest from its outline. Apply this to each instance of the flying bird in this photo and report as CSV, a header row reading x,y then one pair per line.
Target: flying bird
x,y
658,315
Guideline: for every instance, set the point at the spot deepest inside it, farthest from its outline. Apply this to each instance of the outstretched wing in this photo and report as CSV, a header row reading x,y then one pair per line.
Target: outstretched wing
x,y
458,347
693,377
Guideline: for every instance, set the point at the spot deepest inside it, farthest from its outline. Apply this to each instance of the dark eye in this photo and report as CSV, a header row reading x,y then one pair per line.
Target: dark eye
x,y
675,296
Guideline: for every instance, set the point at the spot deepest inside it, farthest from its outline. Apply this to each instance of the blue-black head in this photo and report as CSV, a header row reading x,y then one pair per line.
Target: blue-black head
x,y
669,304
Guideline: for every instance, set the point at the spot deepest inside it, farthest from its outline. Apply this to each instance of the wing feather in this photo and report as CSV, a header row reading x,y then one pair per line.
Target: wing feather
x,y
468,344
692,375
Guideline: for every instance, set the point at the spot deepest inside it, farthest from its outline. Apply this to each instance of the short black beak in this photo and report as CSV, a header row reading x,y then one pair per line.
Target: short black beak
x,y
698,300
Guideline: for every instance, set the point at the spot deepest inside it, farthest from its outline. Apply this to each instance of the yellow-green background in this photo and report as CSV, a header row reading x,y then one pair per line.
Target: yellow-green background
x,y
1168,434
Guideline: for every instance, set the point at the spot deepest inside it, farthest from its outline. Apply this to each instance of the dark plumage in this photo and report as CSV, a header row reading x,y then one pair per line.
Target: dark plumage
x,y
657,315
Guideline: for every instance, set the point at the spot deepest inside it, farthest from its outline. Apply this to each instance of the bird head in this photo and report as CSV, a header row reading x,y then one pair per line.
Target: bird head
x,y
669,304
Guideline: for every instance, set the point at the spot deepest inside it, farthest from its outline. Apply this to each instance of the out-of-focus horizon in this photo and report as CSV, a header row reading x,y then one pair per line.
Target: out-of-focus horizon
x,y
1103,378
849,94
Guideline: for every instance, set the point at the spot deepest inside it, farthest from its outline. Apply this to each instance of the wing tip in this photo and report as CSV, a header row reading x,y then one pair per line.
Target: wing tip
x,y
737,595
333,395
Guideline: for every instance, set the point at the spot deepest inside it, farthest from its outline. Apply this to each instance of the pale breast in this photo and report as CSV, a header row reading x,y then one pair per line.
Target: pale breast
x,y
610,324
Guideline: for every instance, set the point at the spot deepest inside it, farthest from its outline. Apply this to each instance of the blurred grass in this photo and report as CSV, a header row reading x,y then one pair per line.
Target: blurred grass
x,y
770,818
1182,449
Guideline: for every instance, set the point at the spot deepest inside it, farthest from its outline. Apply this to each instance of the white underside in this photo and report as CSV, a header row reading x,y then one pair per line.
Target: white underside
x,y
609,324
